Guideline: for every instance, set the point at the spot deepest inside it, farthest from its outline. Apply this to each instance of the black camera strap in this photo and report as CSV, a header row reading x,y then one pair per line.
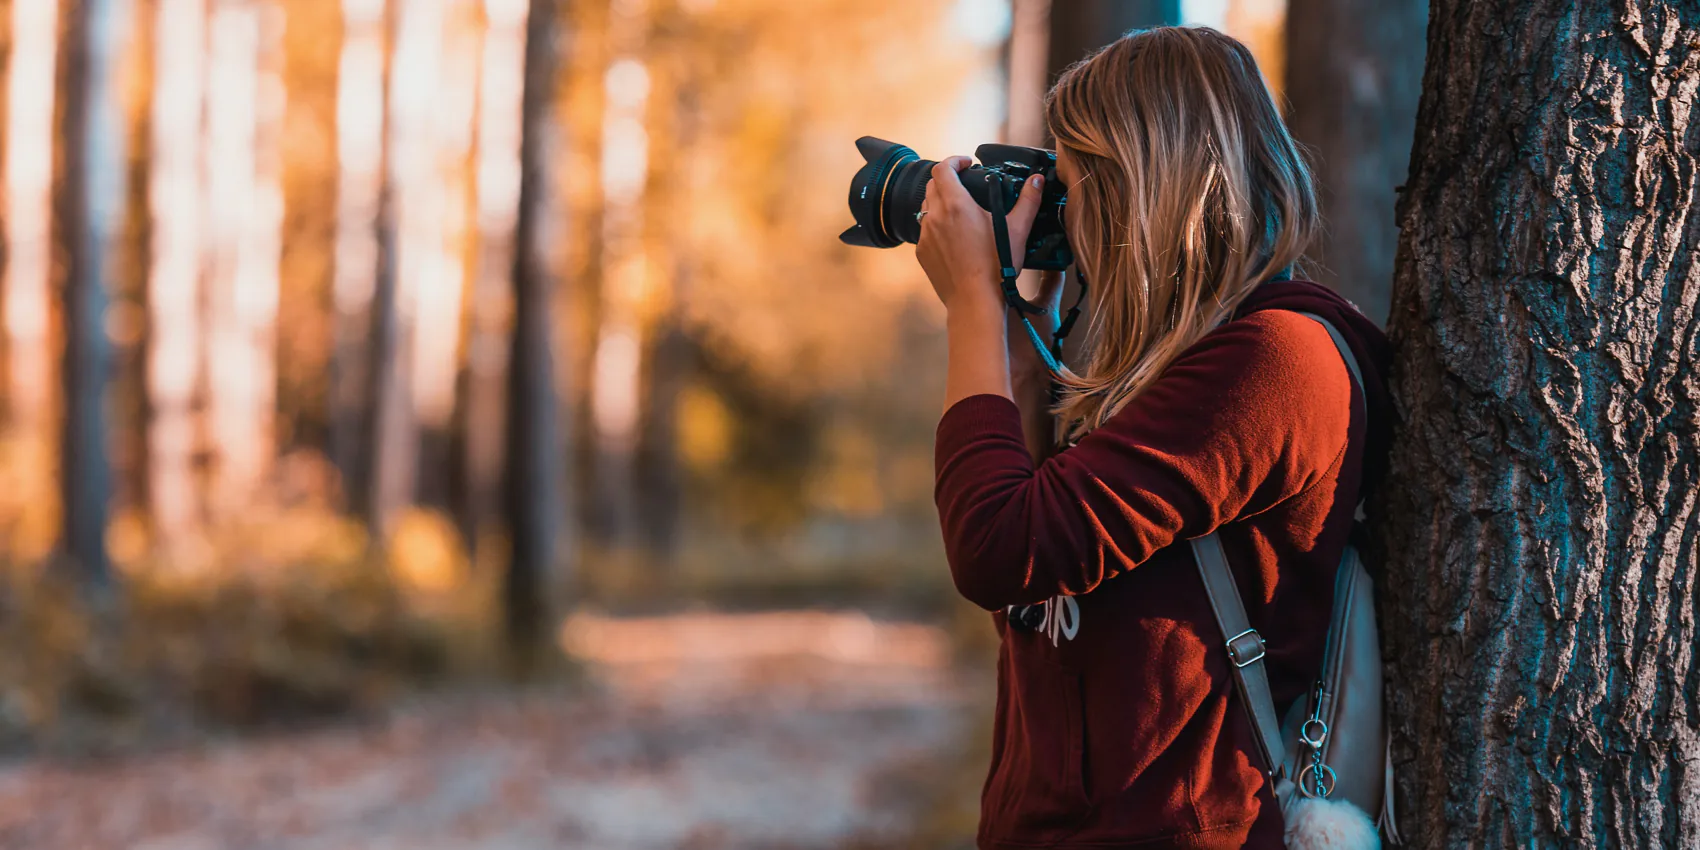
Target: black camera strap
x,y
1012,294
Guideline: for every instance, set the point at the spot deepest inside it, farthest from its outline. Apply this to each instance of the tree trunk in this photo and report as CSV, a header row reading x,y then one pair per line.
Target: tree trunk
x,y
616,392
1538,525
305,321
1079,27
361,109
1026,62
127,324
390,437
1353,77
667,366
535,478
491,311
89,198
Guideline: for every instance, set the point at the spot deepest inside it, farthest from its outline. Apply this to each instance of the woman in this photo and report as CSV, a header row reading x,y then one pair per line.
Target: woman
x,y
1205,403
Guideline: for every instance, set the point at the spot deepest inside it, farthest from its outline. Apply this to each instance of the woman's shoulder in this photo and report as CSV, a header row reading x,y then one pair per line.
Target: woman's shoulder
x,y
1283,348
1269,375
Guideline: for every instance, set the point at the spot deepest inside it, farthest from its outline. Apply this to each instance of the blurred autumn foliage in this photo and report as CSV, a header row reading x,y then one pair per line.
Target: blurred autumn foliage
x,y
345,344
306,221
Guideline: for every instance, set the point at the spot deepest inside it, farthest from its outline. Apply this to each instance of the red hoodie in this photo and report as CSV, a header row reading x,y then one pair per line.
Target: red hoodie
x,y
1116,723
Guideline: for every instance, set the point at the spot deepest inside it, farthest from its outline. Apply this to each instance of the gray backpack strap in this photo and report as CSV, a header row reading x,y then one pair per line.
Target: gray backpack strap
x,y
1245,645
1344,349
1245,648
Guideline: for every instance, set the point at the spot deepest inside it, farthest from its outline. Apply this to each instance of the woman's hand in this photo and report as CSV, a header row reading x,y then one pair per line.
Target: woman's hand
x,y
961,260
956,248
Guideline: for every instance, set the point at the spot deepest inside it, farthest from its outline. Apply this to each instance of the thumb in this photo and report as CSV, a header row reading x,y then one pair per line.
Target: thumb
x,y
1027,206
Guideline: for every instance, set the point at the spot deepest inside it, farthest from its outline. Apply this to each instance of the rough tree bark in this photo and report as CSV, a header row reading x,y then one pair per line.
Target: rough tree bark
x,y
1538,524
1354,71
535,478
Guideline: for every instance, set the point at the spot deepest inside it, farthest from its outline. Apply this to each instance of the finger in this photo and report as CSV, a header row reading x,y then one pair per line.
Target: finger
x,y
1027,205
948,182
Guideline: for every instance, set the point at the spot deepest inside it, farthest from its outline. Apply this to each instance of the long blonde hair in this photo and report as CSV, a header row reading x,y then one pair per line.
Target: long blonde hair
x,y
1191,194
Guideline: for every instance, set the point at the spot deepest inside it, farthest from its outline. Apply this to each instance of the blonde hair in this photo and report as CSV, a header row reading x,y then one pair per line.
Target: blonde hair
x,y
1191,194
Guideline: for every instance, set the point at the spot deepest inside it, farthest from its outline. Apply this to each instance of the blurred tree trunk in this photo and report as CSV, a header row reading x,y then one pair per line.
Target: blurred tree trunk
x,y
89,198
312,44
674,113
1079,27
128,320
1538,526
667,365
535,477
483,395
1354,73
385,462
360,232
583,109
1027,56
434,222
617,368
388,458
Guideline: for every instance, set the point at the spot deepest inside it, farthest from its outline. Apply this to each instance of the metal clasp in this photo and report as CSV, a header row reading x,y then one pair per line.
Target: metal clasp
x,y
1242,657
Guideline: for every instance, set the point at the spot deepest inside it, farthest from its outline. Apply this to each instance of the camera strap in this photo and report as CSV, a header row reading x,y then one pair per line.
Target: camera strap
x,y
1012,294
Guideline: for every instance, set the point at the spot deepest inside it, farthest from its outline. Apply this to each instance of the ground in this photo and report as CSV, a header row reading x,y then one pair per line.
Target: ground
x,y
776,730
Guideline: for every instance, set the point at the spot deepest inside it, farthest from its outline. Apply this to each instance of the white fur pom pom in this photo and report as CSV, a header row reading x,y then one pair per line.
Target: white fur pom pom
x,y
1318,823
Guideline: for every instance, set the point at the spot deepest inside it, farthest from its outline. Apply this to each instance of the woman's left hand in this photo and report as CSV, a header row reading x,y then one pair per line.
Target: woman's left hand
x,y
956,248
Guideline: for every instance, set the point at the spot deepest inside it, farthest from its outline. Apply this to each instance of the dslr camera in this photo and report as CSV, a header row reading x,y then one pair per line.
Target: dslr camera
x,y
886,196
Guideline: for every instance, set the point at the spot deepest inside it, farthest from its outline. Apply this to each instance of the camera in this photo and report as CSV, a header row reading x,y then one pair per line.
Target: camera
x,y
886,196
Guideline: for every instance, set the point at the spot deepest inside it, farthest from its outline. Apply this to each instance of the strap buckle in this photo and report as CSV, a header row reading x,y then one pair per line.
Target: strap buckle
x,y
1240,651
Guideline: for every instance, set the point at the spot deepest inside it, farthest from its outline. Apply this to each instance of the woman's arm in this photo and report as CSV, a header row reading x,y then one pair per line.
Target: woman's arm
x,y
1255,413
989,351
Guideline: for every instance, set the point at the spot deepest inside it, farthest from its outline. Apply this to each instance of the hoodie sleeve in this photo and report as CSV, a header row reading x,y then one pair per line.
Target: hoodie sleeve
x,y
1256,412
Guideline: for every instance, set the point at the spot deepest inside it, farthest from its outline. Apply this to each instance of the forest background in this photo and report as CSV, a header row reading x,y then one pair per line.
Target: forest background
x,y
350,347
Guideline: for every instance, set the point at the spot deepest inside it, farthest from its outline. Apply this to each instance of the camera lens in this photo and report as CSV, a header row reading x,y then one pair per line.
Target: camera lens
x,y
904,194
886,193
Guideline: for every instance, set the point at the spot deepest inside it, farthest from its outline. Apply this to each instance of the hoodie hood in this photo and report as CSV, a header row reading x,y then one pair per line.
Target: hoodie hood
x,y
1368,344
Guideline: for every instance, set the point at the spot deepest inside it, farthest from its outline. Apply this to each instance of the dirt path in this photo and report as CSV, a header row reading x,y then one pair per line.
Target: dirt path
x,y
794,730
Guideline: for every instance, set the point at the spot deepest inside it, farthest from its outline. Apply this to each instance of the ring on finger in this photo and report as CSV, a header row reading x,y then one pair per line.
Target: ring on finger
x,y
920,214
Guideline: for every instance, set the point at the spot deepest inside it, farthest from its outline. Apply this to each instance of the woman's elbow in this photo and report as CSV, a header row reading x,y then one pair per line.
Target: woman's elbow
x,y
992,579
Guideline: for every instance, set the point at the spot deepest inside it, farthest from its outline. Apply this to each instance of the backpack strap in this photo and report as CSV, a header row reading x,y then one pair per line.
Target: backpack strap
x,y
1245,646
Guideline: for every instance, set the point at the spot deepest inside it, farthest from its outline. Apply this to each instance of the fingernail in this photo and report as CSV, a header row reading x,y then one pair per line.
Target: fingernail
x,y
1037,180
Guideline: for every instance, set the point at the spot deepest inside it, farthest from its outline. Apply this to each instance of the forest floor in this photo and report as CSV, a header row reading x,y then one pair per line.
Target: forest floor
x,y
748,731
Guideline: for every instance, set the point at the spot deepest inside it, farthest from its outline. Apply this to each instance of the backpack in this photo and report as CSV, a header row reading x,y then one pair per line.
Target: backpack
x,y
1330,759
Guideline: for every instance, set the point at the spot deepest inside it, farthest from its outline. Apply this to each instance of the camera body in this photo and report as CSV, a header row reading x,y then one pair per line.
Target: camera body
x,y
886,195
